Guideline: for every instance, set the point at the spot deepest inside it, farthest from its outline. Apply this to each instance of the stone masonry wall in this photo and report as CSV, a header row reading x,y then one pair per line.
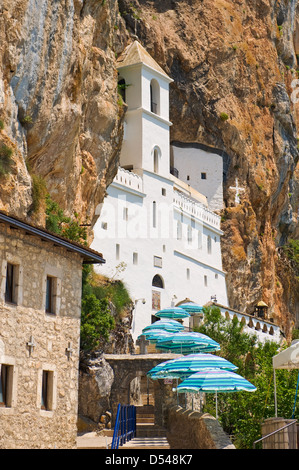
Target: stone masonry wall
x,y
23,423
193,430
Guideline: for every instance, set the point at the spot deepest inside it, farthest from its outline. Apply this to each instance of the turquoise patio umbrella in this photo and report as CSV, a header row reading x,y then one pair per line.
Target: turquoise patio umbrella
x,y
183,367
154,335
191,307
214,381
172,312
187,342
166,325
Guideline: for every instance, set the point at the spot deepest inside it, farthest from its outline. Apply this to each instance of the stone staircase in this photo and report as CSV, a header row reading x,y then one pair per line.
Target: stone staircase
x,y
148,434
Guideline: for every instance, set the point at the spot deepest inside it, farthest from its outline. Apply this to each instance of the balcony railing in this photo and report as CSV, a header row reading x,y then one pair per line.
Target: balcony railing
x,y
129,179
196,209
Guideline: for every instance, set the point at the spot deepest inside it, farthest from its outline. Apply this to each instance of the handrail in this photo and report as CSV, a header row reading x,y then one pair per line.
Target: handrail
x,y
274,432
125,425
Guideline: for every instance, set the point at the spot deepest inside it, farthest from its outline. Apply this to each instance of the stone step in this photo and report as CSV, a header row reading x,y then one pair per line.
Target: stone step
x,y
145,421
147,443
149,430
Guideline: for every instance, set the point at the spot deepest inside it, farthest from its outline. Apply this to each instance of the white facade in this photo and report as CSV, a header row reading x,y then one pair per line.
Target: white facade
x,y
156,232
202,169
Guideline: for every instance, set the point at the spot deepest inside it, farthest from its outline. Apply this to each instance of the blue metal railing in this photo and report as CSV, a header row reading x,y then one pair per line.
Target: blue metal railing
x,y
125,425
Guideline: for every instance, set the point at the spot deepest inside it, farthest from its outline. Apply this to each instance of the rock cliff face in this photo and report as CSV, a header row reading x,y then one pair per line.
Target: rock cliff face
x,y
234,59
58,98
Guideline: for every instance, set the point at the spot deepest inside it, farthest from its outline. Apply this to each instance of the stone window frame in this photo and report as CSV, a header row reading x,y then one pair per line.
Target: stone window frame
x,y
18,279
50,369
56,275
12,381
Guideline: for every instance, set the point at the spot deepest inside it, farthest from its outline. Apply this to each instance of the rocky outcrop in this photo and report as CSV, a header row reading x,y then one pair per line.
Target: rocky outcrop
x,y
95,381
58,101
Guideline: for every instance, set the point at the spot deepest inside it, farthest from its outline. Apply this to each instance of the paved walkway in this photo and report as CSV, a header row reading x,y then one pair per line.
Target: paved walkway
x,y
91,440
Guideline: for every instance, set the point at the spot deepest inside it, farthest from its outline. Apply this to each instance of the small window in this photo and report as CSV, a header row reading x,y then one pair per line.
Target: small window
x,y
125,213
199,239
117,251
209,245
6,375
51,294
205,281
203,176
122,88
216,276
155,96
12,272
156,161
154,214
135,258
104,225
189,234
188,274
188,178
163,192
157,261
47,390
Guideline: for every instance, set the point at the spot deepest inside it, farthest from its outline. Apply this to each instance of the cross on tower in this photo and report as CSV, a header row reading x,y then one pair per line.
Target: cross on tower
x,y
31,344
237,188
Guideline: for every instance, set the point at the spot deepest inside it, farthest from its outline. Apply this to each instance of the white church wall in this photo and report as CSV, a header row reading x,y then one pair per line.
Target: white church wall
x,y
202,170
155,134
132,143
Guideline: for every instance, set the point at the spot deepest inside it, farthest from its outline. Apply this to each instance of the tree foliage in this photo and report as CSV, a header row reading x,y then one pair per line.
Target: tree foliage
x,y
241,413
96,322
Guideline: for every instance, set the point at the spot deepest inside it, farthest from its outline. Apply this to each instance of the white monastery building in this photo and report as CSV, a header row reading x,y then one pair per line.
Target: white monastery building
x,y
158,233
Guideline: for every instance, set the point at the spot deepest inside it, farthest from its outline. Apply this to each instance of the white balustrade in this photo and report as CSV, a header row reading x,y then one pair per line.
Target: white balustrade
x,y
196,209
129,179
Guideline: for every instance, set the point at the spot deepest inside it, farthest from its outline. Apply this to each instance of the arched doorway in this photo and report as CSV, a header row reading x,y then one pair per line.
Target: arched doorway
x,y
157,289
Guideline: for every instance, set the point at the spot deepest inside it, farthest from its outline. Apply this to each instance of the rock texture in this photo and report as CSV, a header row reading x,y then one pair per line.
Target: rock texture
x,y
62,118
58,98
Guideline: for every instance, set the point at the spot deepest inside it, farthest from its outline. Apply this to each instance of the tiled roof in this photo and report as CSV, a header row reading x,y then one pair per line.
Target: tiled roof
x,y
135,54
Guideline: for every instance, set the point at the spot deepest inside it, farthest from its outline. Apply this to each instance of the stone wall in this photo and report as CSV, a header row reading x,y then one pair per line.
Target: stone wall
x,y
24,424
194,430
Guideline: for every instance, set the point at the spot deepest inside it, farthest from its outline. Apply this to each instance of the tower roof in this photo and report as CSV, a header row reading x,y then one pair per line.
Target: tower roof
x,y
135,54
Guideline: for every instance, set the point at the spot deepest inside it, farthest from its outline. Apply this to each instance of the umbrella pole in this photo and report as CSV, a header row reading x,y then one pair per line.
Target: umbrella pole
x,y
275,397
216,406
295,397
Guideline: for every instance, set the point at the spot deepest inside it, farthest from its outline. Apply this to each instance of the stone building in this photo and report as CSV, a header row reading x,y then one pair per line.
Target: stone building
x,y
40,307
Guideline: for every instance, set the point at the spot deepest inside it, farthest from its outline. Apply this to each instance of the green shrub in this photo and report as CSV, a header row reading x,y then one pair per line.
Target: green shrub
x,y
39,192
291,249
67,227
6,162
224,117
96,322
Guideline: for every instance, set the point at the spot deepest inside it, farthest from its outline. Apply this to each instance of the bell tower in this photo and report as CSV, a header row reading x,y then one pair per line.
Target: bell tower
x,y
144,87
